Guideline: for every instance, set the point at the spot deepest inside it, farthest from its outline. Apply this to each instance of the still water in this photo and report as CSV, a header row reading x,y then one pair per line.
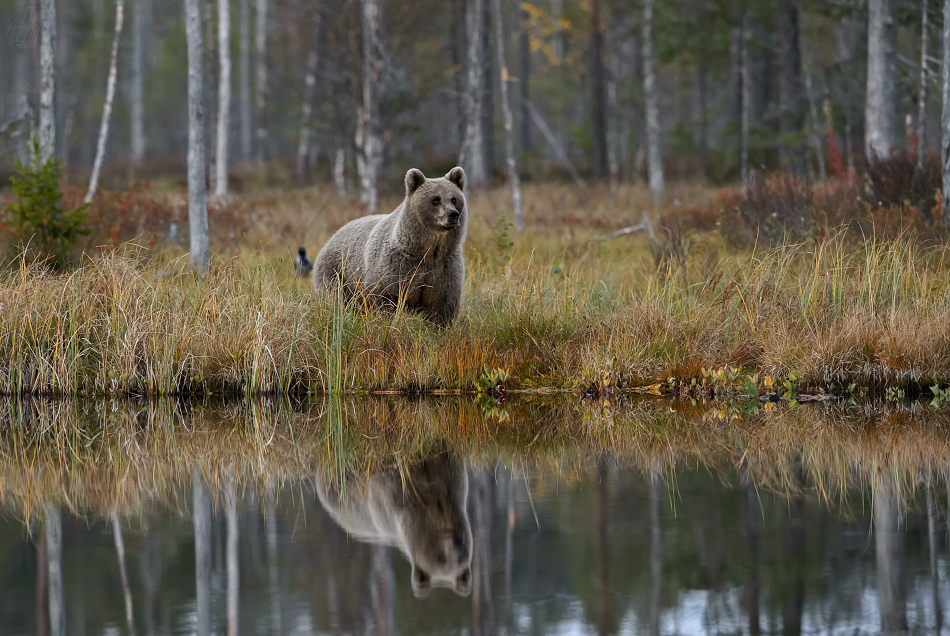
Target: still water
x,y
543,519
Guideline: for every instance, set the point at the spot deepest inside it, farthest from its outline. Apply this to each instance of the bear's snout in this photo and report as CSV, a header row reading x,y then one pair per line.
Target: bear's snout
x,y
454,217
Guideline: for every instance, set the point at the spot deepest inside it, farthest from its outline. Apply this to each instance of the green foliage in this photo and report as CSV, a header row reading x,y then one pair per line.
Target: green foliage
x,y
38,218
501,232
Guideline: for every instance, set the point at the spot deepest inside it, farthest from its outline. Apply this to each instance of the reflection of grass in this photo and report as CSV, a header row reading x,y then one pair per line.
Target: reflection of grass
x,y
95,455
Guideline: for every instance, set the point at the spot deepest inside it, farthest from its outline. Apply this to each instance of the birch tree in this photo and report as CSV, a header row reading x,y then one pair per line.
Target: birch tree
x,y
506,111
598,92
260,41
202,524
472,156
652,98
524,77
141,12
123,573
890,554
310,82
881,106
224,99
790,86
244,88
107,107
922,93
371,140
945,126
197,203
232,555
47,127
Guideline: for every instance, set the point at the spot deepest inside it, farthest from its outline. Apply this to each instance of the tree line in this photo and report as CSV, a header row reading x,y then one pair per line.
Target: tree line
x,y
354,92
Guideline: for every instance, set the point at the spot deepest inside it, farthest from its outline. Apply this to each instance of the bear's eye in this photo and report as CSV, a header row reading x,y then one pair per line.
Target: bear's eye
x,y
454,202
437,201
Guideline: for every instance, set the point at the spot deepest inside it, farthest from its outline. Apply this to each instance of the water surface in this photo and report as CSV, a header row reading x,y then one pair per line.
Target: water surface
x,y
451,517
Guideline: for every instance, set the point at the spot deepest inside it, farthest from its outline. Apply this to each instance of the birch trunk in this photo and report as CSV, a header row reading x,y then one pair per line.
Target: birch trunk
x,y
506,111
202,524
746,99
210,89
945,129
890,555
488,96
197,202
137,88
843,60
598,92
107,108
457,51
922,95
244,97
813,135
790,87
123,573
260,41
881,106
310,82
339,178
47,127
371,141
652,98
224,99
232,556
472,157
524,62
56,596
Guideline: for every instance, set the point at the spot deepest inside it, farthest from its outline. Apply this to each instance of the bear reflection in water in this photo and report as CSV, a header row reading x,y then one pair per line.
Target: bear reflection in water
x,y
421,511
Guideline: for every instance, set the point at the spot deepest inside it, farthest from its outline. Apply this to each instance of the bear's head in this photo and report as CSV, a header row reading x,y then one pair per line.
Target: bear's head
x,y
436,526
437,204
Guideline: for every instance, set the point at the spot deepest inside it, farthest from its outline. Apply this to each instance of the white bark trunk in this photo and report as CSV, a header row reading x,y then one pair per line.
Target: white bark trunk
x,y
202,523
890,554
197,202
245,78
339,178
142,12
881,107
472,155
224,99
310,82
746,98
123,573
261,51
107,108
371,140
945,126
270,512
652,97
232,556
47,127
506,111
815,126
922,96
56,595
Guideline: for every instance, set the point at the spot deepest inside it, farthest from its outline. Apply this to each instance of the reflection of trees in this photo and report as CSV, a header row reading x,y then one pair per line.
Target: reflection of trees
x,y
202,522
483,503
793,554
383,591
270,518
42,587
656,554
889,544
54,559
120,553
752,512
232,554
932,546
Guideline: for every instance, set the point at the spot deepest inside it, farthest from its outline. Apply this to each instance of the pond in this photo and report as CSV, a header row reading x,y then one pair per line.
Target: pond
x,y
456,516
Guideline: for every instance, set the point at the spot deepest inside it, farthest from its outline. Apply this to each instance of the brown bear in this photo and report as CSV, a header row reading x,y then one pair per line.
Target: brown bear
x,y
422,511
413,255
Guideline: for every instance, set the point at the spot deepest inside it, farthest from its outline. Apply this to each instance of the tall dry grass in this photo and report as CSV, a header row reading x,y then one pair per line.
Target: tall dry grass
x,y
552,308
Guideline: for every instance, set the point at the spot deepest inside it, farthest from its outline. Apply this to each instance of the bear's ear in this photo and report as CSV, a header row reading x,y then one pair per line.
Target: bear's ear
x,y
463,582
421,583
414,179
457,176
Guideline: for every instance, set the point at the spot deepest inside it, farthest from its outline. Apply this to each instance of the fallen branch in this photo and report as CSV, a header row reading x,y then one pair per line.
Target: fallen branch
x,y
646,225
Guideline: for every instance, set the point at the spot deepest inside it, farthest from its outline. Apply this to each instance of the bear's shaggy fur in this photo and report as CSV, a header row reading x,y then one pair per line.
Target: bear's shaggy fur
x,y
423,512
411,255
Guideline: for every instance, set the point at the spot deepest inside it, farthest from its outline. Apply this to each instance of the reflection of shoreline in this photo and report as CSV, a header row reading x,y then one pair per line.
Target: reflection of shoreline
x,y
99,454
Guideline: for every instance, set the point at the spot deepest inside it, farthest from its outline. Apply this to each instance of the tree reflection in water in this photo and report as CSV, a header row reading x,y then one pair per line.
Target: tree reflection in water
x,y
653,532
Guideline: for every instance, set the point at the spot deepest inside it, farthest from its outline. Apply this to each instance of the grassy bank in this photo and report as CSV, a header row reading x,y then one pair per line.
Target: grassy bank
x,y
552,308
